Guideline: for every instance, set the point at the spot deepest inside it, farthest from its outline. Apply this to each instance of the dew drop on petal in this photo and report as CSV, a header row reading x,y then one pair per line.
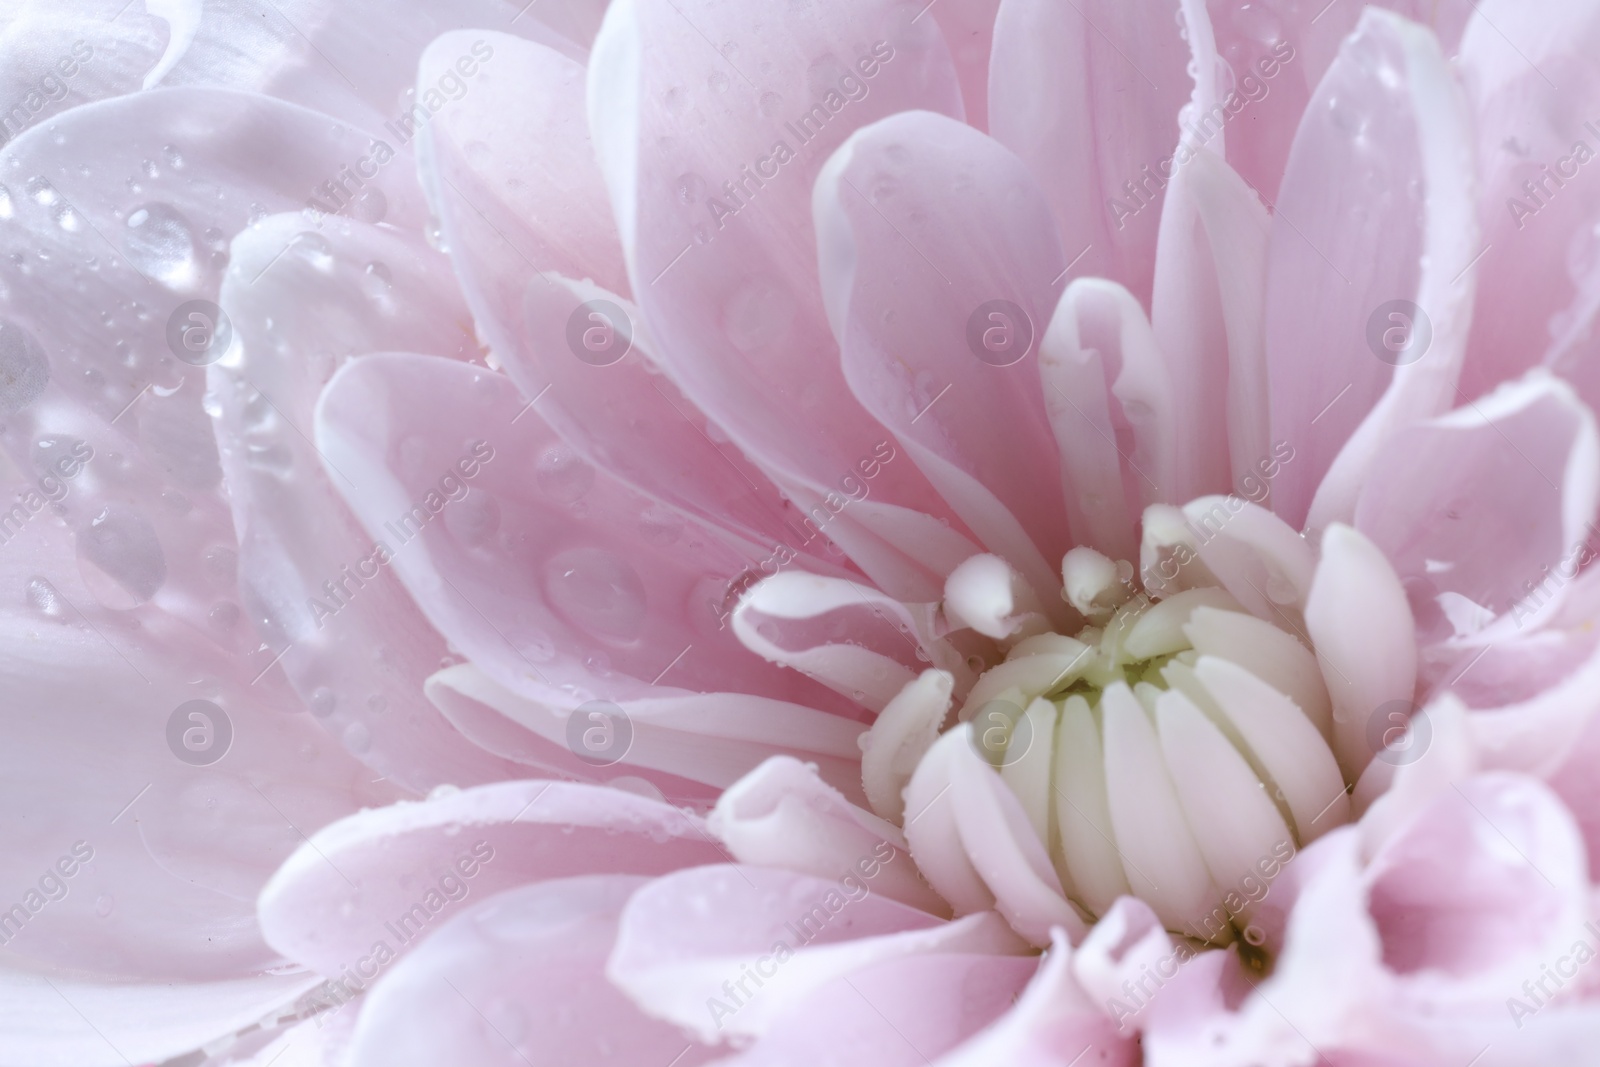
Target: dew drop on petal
x,y
357,738
314,249
41,192
160,244
1258,22
660,526
322,702
597,591
563,474
122,544
24,368
43,598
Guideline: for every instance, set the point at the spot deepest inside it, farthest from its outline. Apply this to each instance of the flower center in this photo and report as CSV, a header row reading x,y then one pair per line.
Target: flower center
x,y
1176,749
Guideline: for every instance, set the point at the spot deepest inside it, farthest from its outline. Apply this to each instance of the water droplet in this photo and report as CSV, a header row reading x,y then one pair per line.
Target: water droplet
x,y
221,565
370,205
1257,21
123,545
314,249
103,904
173,157
769,105
322,702
6,208
597,591
24,368
150,169
160,244
41,192
1279,589
357,738
691,189
563,474
475,519
223,616
660,526
43,598
377,281
1348,118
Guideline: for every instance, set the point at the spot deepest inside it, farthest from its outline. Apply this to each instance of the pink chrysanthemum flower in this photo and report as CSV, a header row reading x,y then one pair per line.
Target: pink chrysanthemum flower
x,y
806,531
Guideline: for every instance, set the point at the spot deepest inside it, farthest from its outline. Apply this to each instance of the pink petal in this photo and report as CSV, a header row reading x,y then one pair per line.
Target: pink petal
x,y
1537,731
388,874
354,61
155,860
1192,330
531,577
1490,880
850,637
293,292
1208,304
520,973
913,328
683,741
783,815
1333,265
1127,945
1490,497
535,736
1103,375
1538,282
502,157
1445,283
730,293
1051,1022
1088,97
902,1012
968,27
1255,555
688,939
527,195
56,57
1270,58
62,1021
1575,782
320,1041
